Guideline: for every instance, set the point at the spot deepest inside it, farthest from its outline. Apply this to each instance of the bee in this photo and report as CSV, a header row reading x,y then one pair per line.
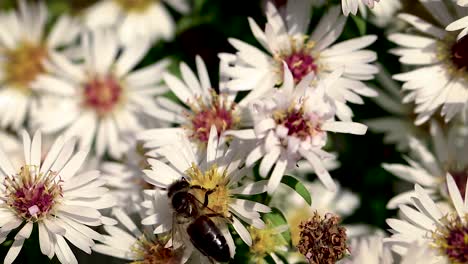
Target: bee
x,y
203,232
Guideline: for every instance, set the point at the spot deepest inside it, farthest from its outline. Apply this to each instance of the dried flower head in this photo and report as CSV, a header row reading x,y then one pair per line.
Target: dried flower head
x,y
322,240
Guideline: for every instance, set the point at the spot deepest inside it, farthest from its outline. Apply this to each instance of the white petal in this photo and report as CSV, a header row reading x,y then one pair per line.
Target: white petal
x,y
212,146
73,165
36,153
44,239
345,127
277,174
242,231
14,251
455,196
25,232
320,169
26,147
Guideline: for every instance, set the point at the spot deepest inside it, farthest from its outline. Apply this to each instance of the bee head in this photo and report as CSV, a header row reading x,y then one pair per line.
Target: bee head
x,y
177,186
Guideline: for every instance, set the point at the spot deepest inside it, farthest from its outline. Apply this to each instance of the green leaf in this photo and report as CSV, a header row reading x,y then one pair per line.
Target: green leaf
x,y
297,186
276,218
360,24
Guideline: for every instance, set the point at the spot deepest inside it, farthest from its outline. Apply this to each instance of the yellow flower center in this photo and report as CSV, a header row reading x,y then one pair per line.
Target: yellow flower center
x,y
211,179
23,65
265,241
136,6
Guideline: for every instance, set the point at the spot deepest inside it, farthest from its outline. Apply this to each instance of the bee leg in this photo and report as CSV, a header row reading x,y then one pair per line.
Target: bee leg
x,y
207,193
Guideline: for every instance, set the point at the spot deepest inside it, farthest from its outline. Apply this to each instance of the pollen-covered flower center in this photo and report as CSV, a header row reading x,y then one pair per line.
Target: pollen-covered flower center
x,y
31,194
460,53
300,64
217,112
102,94
301,60
297,122
134,5
214,181
154,252
452,239
265,241
23,65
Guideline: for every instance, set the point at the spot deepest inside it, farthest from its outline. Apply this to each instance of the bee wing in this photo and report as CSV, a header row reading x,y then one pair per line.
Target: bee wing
x,y
179,235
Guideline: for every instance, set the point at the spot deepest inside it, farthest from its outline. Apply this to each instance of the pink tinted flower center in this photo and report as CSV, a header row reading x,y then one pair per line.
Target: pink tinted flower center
x,y
31,194
460,53
217,113
33,200
297,123
300,64
457,244
102,94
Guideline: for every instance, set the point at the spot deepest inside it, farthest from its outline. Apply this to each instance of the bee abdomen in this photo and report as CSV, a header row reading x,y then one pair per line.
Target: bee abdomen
x,y
208,239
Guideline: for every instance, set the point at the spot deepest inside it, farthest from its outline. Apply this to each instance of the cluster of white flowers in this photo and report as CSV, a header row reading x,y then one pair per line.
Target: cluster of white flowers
x,y
153,164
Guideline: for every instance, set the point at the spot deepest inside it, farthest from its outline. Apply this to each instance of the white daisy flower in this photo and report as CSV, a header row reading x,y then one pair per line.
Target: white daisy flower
x,y
372,250
102,97
25,46
137,246
204,108
428,169
439,77
51,196
219,174
399,126
291,124
286,40
342,202
461,23
444,235
136,19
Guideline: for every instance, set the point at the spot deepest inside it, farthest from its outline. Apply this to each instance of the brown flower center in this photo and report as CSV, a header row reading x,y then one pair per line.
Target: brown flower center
x,y
23,65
